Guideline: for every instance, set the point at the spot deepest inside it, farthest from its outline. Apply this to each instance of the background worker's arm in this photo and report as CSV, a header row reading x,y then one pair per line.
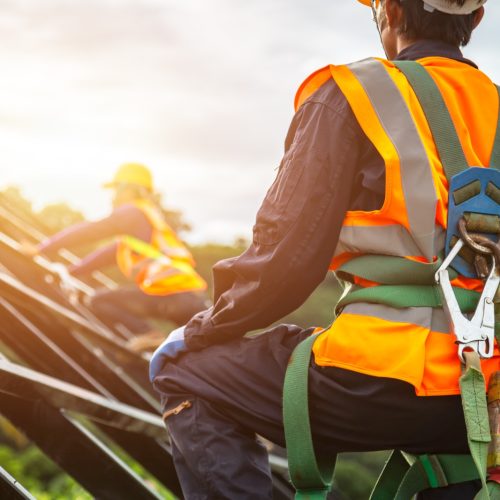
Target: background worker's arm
x,y
296,231
99,259
126,219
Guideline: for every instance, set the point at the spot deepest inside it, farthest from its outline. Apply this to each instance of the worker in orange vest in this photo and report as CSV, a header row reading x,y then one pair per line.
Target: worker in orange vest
x,y
362,183
162,282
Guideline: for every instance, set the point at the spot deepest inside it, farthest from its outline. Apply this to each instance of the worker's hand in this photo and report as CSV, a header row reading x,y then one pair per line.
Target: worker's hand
x,y
29,249
169,350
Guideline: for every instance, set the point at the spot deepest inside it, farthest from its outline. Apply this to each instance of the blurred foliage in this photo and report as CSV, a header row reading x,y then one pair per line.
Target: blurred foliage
x,y
13,194
174,217
44,479
356,474
59,215
10,436
175,220
39,475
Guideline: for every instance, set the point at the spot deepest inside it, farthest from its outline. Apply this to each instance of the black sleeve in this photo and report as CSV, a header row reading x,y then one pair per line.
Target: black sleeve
x,y
296,230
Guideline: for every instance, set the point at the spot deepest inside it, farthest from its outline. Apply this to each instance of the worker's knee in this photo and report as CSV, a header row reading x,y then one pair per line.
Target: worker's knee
x,y
195,426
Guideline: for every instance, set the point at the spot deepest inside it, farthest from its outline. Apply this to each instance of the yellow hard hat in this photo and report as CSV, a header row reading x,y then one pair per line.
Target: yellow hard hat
x,y
132,173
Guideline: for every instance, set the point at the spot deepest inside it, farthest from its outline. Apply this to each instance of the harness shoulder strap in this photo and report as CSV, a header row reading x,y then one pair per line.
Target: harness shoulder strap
x,y
495,155
437,114
440,121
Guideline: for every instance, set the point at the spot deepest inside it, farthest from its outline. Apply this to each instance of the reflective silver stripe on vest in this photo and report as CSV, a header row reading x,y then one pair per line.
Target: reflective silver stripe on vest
x,y
416,174
426,317
383,240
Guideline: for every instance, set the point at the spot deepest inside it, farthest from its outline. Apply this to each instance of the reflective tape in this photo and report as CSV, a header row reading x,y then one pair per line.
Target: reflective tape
x,y
391,239
426,317
416,172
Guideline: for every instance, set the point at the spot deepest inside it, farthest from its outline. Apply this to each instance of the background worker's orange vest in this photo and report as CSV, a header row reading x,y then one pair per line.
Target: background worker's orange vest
x,y
163,266
412,344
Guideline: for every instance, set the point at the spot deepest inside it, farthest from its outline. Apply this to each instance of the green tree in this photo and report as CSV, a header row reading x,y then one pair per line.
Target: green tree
x,y
58,216
14,196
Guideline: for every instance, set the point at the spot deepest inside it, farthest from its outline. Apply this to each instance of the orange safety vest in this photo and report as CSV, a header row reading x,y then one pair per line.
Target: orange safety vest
x,y
412,344
163,266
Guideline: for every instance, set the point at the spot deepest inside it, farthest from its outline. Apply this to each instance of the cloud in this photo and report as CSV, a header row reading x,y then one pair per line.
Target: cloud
x,y
202,90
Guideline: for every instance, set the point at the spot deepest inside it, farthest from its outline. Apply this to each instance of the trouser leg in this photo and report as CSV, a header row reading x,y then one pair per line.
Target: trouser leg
x,y
123,305
217,426
241,382
215,457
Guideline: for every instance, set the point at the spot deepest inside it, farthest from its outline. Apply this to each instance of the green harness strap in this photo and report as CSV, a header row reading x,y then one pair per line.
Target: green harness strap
x,y
312,480
402,296
437,115
436,471
404,475
495,155
390,270
440,122
475,406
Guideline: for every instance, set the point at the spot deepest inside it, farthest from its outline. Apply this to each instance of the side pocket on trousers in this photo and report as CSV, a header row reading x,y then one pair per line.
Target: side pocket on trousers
x,y
175,411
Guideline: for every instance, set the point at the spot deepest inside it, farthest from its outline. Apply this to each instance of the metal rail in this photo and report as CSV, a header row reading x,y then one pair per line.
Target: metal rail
x,y
10,489
38,236
79,394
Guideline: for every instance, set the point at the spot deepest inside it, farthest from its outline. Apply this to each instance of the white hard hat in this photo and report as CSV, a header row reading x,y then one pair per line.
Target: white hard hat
x,y
446,6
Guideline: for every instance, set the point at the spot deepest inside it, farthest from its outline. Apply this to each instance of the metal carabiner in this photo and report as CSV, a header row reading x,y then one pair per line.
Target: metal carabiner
x,y
478,333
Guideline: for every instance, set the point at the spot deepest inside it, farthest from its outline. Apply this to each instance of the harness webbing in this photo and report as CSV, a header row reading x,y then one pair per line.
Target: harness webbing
x,y
391,270
475,406
401,296
495,155
420,473
404,475
437,115
311,479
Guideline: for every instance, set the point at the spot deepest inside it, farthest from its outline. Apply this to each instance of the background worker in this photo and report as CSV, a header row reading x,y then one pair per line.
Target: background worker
x,y
351,182
162,282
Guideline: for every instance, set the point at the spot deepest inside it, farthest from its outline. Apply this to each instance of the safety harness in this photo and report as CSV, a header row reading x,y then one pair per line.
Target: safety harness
x,y
474,207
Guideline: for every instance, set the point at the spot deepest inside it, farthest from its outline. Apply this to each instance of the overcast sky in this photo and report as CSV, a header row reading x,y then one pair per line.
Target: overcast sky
x,y
199,90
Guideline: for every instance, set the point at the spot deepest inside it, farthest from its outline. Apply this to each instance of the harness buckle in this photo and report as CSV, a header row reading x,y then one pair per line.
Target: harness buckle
x,y
478,333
